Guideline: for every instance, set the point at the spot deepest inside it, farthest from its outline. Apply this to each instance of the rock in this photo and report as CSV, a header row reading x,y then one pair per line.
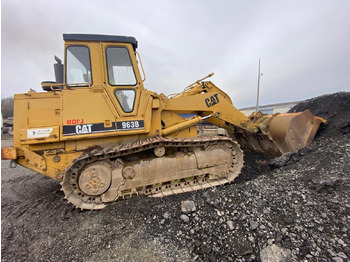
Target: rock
x,y
197,243
288,220
205,249
340,241
338,259
278,238
342,255
266,211
251,239
184,218
212,197
218,212
223,259
282,160
304,151
242,247
188,206
345,128
230,225
212,258
274,253
324,215
166,215
247,194
254,225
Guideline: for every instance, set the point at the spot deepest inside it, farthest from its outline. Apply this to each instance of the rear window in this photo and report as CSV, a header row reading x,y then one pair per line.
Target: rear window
x,y
78,65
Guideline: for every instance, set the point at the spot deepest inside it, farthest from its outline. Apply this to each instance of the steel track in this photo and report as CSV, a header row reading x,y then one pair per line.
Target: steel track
x,y
75,196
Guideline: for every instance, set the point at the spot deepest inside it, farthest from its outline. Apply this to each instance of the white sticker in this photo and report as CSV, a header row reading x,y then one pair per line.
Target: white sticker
x,y
123,75
39,133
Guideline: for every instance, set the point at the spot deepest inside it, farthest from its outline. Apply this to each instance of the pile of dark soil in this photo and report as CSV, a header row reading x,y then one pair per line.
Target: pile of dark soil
x,y
335,108
293,208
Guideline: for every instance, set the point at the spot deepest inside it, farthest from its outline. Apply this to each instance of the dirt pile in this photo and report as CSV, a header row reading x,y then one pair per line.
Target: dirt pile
x,y
295,207
335,108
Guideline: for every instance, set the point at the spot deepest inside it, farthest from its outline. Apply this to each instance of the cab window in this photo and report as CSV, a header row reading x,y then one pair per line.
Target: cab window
x,y
120,70
78,66
126,99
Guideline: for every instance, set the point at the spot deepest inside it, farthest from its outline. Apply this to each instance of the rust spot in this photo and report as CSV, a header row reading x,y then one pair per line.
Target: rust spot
x,y
8,153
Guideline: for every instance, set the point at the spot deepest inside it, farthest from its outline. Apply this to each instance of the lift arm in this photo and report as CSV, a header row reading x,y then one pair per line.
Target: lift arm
x,y
269,134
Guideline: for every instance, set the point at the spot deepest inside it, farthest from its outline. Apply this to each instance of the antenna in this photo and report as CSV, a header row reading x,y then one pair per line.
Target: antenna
x,y
257,93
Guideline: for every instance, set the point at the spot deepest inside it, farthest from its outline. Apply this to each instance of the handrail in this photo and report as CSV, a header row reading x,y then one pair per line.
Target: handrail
x,y
67,86
143,71
187,88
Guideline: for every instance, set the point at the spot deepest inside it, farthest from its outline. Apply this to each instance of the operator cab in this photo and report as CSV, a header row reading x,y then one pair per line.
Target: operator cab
x,y
78,69
100,60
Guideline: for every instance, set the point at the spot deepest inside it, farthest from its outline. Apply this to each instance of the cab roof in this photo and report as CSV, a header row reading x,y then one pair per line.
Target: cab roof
x,y
101,38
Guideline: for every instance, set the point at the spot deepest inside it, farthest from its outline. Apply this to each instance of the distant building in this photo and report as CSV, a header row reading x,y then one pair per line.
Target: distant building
x,y
270,109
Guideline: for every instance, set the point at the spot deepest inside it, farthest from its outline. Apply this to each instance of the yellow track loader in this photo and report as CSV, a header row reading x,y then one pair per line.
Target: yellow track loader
x,y
98,131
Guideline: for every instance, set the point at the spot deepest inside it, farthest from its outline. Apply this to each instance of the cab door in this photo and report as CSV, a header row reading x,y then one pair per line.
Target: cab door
x,y
125,88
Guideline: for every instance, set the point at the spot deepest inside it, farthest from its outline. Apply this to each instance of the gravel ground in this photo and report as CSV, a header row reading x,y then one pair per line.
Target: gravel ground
x,y
292,208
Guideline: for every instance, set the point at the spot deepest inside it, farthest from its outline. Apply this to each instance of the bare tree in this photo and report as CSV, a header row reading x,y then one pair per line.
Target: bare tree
x,y
7,107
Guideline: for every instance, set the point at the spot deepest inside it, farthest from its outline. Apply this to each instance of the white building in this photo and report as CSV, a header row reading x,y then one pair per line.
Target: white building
x,y
270,109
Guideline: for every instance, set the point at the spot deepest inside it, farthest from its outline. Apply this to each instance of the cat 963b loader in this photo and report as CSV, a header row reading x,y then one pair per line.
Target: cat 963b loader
x,y
98,131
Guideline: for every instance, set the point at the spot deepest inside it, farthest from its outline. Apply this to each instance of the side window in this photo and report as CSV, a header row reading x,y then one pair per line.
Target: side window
x,y
120,71
78,65
126,99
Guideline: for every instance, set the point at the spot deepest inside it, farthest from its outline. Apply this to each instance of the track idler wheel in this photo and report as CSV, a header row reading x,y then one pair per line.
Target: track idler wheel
x,y
95,179
84,187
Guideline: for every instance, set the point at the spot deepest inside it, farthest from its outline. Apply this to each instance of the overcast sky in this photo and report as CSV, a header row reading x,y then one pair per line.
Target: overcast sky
x,y
304,46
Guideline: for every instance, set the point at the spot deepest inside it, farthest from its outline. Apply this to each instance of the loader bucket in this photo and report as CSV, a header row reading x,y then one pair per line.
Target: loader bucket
x,y
280,133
